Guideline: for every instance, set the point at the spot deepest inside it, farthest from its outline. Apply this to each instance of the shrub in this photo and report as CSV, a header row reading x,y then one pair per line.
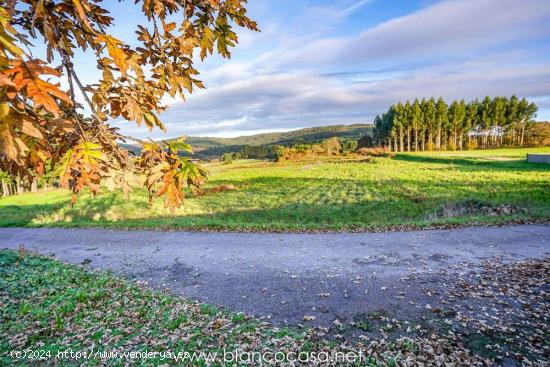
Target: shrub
x,y
366,141
332,146
451,146
539,135
227,158
472,144
349,146
375,152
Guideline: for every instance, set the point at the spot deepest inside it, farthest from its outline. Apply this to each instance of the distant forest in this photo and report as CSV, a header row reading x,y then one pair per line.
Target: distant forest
x,y
435,125
261,146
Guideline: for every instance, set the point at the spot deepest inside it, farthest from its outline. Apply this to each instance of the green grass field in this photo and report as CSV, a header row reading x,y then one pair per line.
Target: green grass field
x,y
409,190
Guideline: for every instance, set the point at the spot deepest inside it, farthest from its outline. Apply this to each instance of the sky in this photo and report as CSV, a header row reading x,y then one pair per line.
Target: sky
x,y
321,62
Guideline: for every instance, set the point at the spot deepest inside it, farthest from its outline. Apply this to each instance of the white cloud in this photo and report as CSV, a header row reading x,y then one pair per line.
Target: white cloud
x,y
293,100
443,30
453,48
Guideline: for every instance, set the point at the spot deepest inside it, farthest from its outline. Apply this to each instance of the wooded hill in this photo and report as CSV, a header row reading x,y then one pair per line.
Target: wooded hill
x,y
209,147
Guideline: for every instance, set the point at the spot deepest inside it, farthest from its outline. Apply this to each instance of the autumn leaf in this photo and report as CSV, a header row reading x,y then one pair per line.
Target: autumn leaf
x,y
117,53
12,125
63,170
89,152
26,125
7,41
82,12
207,43
26,76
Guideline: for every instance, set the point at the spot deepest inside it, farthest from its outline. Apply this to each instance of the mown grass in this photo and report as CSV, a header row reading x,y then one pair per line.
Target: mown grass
x,y
58,314
409,190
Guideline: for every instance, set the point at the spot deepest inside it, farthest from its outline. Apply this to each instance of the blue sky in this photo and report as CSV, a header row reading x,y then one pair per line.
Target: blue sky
x,y
345,61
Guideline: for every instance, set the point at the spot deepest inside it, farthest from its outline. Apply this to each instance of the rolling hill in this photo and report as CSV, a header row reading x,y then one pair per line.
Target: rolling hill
x,y
211,146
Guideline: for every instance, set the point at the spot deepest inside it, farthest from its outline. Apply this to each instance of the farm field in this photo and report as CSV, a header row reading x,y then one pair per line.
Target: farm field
x,y
408,190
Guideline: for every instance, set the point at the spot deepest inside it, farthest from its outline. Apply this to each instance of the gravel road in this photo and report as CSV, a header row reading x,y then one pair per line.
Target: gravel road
x,y
283,277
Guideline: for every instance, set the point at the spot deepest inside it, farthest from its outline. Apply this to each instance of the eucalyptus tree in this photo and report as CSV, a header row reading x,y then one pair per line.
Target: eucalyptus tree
x,y
399,120
527,113
512,119
378,133
388,121
415,126
485,118
441,119
416,121
470,121
498,118
430,123
407,113
457,115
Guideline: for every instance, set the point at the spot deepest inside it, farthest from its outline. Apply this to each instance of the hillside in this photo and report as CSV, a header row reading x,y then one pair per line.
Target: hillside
x,y
211,146
208,147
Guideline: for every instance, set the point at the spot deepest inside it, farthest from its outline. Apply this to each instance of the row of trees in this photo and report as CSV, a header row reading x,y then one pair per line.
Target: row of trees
x,y
428,124
331,146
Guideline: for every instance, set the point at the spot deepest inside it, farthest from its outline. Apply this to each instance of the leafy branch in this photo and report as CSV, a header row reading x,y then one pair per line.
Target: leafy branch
x,y
40,124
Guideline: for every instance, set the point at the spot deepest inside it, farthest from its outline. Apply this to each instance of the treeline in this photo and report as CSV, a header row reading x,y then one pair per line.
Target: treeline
x,y
251,152
15,186
327,148
428,124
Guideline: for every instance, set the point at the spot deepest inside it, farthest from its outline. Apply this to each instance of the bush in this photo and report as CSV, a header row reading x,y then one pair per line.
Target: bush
x,y
472,144
366,141
349,146
332,146
227,158
539,135
375,152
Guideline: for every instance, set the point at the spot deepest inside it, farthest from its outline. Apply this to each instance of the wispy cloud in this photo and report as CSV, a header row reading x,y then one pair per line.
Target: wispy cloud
x,y
291,100
445,30
453,48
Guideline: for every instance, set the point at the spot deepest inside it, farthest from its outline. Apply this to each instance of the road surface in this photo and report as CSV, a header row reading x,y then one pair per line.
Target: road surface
x,y
283,277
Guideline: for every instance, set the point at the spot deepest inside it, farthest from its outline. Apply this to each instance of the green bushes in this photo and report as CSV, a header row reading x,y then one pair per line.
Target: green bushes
x,y
227,158
327,148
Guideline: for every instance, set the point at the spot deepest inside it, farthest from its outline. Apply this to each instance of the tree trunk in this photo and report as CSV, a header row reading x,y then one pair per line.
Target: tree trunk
x,y
20,188
5,188
423,142
408,140
416,140
438,139
34,185
455,139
